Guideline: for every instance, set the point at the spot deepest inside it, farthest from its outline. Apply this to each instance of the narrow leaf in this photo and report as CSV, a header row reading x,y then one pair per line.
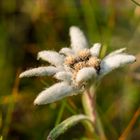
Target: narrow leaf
x,y
65,125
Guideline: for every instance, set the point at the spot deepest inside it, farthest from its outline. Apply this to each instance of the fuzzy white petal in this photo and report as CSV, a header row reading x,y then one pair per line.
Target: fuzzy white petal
x,y
65,76
85,74
116,52
115,61
52,57
40,71
95,49
66,51
54,93
78,39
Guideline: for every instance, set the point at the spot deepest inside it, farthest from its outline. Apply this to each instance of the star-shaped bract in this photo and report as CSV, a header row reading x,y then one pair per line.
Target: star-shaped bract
x,y
74,67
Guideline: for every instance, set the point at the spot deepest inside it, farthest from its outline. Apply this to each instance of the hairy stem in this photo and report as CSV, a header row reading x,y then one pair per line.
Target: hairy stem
x,y
88,100
89,105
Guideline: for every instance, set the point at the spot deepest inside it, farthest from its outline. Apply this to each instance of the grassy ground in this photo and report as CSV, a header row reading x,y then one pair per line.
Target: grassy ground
x,y
27,27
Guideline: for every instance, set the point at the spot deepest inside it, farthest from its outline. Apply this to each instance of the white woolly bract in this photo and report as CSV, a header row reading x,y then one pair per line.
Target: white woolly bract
x,y
54,93
85,74
115,61
66,51
65,76
40,71
78,39
95,50
52,57
77,67
116,52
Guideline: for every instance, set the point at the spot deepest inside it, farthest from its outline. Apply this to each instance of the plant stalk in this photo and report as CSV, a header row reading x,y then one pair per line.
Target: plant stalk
x,y
88,100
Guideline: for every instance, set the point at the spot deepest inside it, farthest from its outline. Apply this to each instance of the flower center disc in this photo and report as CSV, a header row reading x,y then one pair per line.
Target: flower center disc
x,y
83,59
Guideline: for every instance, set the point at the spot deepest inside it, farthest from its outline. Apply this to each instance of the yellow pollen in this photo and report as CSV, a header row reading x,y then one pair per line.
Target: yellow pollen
x,y
79,65
94,62
82,60
70,60
84,54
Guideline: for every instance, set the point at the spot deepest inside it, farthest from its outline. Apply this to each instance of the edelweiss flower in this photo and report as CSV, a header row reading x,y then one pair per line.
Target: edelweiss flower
x,y
75,67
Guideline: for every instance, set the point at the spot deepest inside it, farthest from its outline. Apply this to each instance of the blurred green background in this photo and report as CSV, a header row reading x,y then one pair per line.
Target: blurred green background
x,y
28,26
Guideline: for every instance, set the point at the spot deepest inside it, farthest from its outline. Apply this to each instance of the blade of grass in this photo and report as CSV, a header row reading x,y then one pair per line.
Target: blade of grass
x,y
70,109
89,8
11,106
106,121
62,108
60,113
1,138
100,128
135,2
126,132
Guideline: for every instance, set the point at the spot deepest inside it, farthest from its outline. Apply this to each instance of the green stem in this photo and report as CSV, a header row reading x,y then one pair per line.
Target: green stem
x,y
88,100
60,113
89,109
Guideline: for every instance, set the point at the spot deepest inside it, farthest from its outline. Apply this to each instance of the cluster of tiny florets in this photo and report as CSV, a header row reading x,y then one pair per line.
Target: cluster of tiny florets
x,y
79,65
84,54
82,60
70,61
94,62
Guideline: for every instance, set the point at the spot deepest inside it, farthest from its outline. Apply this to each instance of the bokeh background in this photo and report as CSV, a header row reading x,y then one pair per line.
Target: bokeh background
x,y
29,26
